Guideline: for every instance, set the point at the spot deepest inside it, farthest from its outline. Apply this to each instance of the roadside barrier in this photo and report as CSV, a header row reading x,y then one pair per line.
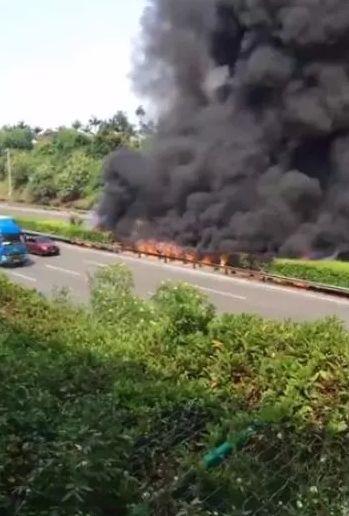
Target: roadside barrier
x,y
256,275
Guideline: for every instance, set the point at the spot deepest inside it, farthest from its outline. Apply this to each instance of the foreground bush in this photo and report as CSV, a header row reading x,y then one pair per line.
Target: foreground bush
x,y
333,273
186,309
109,410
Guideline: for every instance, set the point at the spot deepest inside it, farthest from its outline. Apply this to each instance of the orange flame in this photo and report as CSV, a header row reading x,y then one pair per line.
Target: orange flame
x,y
166,249
173,251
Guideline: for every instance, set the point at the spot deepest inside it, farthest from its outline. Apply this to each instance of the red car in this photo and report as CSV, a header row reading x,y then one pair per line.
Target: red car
x,y
43,246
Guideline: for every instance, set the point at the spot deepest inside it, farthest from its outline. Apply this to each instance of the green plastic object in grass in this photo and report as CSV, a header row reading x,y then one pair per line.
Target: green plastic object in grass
x,y
218,455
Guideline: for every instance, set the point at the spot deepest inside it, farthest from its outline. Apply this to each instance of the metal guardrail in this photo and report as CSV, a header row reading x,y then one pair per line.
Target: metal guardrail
x,y
257,275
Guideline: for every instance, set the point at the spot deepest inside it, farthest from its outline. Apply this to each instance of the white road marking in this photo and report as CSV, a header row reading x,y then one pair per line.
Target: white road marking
x,y
96,264
221,293
23,276
212,275
61,269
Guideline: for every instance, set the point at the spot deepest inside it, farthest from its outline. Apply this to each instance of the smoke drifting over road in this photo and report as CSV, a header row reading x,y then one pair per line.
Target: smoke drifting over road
x,y
252,150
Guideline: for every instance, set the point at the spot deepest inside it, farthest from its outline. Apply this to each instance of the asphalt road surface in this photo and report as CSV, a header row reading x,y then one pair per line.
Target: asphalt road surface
x,y
23,211
72,269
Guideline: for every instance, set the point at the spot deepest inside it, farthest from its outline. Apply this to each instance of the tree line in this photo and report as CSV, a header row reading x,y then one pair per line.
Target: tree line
x,y
63,165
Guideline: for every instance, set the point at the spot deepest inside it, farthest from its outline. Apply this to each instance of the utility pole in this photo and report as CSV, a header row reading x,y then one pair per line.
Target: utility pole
x,y
9,174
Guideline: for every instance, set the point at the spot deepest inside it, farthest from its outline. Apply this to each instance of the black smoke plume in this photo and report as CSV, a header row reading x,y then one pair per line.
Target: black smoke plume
x,y
252,148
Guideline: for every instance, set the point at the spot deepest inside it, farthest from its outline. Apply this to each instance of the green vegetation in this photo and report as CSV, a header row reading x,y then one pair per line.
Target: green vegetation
x,y
109,410
63,166
64,229
333,273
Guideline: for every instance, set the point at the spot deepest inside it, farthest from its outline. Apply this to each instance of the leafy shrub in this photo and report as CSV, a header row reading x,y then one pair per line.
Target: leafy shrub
x,y
67,140
3,167
78,172
99,417
188,310
42,185
280,365
112,295
23,167
16,137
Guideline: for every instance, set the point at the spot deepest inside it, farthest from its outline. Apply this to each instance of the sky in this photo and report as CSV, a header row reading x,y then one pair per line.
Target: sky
x,y
63,60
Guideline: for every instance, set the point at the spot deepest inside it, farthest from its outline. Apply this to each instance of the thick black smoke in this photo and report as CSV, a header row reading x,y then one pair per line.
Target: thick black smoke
x,y
252,150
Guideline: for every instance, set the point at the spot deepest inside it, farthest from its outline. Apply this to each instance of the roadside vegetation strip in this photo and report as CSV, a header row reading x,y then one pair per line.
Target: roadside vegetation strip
x,y
334,273
64,229
117,406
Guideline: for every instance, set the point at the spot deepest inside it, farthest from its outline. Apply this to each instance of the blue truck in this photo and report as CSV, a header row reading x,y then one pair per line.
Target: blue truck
x,y
13,250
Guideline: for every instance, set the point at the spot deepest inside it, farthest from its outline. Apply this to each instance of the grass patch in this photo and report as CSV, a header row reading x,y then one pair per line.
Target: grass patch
x,y
333,273
108,410
64,229
18,195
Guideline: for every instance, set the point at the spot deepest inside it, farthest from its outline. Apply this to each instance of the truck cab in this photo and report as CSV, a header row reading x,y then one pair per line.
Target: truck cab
x,y
13,250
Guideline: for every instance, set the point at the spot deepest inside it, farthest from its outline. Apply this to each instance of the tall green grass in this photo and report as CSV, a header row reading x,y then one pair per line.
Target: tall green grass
x,y
333,273
108,410
64,229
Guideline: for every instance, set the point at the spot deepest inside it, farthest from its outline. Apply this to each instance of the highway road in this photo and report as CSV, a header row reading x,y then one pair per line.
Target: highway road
x,y
72,268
